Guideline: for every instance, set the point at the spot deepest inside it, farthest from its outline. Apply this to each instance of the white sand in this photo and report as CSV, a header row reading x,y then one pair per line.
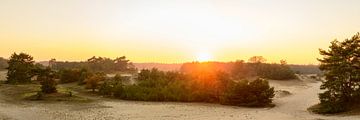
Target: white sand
x,y
291,107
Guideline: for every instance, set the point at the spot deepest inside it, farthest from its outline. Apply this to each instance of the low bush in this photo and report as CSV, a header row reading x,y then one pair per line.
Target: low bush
x,y
275,71
328,108
74,75
92,82
257,93
69,75
46,77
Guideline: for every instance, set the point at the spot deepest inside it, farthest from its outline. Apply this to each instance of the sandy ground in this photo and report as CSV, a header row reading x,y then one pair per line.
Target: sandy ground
x,y
289,107
3,75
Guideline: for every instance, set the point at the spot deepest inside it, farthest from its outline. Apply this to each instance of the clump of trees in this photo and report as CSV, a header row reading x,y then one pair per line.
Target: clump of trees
x,y
341,67
215,86
22,69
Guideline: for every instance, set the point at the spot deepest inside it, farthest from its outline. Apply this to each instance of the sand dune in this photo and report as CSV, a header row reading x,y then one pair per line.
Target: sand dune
x,y
290,107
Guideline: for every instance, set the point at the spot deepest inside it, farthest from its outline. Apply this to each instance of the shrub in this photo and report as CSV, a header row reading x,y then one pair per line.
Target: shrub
x,y
69,75
257,93
118,90
48,84
328,108
93,81
106,89
84,73
113,87
47,80
275,71
74,75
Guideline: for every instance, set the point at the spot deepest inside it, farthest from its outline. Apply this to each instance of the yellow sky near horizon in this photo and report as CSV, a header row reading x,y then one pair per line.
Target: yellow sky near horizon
x,y
174,31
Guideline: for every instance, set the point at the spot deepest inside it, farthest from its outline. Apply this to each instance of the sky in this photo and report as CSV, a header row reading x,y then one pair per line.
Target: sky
x,y
175,31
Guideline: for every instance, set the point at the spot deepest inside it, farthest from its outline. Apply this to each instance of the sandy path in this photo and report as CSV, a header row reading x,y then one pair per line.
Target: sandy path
x,y
293,107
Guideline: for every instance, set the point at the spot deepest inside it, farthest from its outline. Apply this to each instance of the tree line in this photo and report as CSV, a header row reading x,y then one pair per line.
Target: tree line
x,y
242,70
96,64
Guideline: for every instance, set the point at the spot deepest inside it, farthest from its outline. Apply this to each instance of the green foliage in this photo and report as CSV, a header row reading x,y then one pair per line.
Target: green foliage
x,y
92,82
257,93
341,66
113,87
155,85
47,80
69,75
242,70
274,71
257,59
74,75
328,108
97,64
306,69
106,89
84,73
20,68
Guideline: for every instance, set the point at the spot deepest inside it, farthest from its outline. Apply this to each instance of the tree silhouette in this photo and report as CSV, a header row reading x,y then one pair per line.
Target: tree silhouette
x,y
257,59
20,68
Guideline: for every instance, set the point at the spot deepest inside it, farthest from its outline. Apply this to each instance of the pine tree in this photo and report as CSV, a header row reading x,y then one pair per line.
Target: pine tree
x,y
20,68
341,65
47,80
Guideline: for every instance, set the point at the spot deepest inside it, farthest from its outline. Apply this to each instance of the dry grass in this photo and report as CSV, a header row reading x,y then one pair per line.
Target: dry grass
x,y
22,93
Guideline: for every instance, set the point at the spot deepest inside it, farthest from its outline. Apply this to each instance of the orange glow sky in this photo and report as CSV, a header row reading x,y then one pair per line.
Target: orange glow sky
x,y
172,31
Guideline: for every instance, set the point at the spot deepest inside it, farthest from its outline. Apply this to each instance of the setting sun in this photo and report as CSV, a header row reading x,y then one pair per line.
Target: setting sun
x,y
203,57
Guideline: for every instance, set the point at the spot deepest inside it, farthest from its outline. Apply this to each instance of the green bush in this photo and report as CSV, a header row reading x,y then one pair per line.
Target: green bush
x,y
328,108
47,80
275,71
257,93
92,82
113,87
69,75
48,84
106,89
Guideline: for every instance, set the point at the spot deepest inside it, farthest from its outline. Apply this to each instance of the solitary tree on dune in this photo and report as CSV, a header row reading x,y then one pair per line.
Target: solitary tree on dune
x,y
341,65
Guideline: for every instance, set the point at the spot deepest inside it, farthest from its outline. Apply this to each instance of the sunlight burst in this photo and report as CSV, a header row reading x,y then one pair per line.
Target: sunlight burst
x,y
203,57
